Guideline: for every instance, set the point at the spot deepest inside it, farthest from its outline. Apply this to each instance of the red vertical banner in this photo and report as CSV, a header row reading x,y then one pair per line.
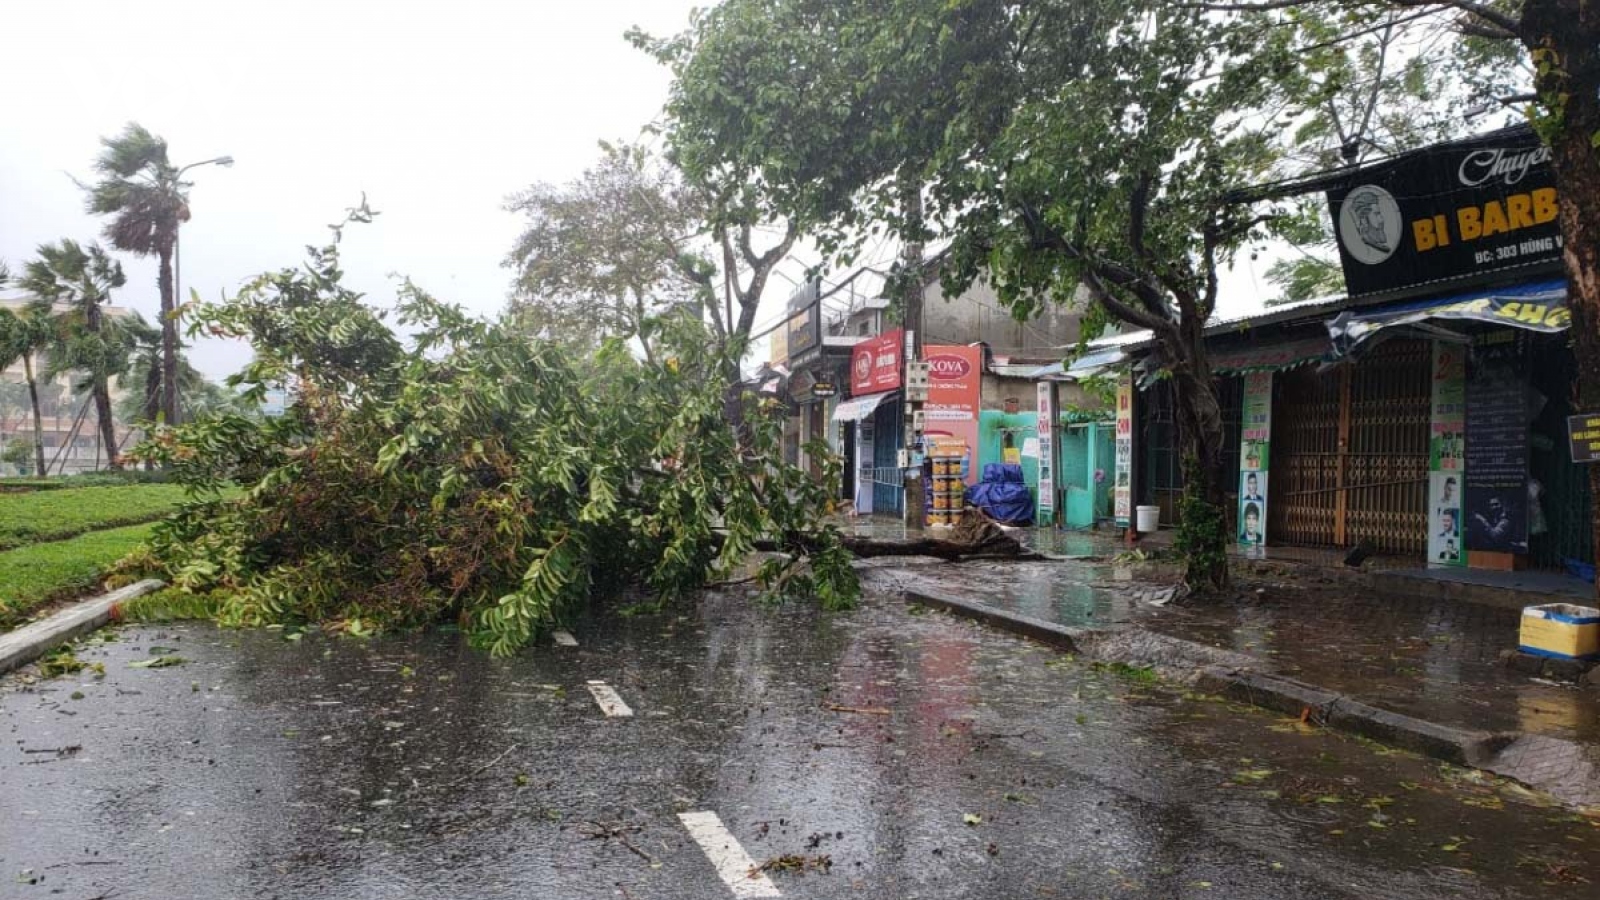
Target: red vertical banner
x,y
875,364
955,390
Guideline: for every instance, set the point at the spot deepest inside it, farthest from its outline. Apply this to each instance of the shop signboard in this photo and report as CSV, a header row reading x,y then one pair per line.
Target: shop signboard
x,y
1047,455
1583,436
955,381
1447,456
1254,455
1449,214
803,335
1122,487
1496,457
875,364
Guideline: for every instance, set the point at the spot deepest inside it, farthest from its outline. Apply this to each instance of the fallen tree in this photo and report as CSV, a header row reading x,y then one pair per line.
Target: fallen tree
x,y
469,472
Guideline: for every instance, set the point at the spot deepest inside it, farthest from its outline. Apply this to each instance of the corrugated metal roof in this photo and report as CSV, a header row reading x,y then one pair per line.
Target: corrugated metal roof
x,y
1282,312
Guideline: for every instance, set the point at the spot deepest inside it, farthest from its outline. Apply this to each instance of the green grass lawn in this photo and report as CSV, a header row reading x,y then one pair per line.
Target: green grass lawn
x,y
49,515
33,576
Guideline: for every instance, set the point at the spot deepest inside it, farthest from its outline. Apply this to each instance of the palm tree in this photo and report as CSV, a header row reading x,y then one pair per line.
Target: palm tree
x,y
147,200
144,407
81,280
21,338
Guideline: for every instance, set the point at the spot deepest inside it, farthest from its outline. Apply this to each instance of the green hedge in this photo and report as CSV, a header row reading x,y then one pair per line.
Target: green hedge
x,y
51,515
32,576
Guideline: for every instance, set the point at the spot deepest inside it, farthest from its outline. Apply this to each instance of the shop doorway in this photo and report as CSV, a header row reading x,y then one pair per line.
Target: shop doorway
x,y
1350,452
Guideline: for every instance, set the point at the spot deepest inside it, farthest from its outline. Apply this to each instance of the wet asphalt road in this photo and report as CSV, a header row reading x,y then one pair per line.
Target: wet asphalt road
x,y
413,767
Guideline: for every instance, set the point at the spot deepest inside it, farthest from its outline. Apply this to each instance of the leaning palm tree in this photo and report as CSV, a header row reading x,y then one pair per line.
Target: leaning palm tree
x,y
72,284
147,199
22,336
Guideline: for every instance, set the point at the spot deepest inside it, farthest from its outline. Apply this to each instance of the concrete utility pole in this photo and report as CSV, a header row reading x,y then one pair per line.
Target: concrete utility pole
x,y
911,262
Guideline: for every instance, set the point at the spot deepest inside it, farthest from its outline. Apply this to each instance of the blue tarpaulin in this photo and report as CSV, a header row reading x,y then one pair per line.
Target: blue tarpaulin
x,y
1003,495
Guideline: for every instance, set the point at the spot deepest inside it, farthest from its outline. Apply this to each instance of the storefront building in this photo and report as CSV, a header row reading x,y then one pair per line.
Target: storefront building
x,y
1426,414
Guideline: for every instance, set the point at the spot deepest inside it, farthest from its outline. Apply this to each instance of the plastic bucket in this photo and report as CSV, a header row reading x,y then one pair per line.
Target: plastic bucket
x,y
1149,519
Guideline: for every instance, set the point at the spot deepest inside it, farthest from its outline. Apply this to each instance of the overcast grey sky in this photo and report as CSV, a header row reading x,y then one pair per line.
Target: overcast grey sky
x,y
436,110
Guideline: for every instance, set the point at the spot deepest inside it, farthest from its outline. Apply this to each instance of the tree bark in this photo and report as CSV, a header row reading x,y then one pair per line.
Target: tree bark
x,y
169,339
1562,36
102,398
38,419
1198,414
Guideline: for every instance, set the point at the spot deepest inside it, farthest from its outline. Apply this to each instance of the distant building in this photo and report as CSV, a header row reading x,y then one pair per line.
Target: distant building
x,y
71,428
984,361
275,403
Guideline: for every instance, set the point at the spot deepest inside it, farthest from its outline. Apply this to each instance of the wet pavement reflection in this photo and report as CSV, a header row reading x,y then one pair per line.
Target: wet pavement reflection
x,y
923,756
1435,659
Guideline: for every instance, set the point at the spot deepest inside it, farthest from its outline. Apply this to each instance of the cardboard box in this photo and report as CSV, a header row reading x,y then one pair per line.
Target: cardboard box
x,y
1561,631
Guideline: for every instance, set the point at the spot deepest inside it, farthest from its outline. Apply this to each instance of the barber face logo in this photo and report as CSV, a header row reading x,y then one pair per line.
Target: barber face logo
x,y
1369,224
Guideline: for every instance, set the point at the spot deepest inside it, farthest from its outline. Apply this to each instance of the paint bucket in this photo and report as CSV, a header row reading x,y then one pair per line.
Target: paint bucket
x,y
1149,519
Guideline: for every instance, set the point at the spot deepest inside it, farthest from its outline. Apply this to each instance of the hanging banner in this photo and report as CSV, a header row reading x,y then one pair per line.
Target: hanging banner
x,y
1496,479
1254,454
955,381
1447,456
1122,488
1453,213
1047,457
875,364
1539,306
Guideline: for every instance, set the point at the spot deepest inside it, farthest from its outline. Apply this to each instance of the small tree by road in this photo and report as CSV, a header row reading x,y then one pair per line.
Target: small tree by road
x,y
73,285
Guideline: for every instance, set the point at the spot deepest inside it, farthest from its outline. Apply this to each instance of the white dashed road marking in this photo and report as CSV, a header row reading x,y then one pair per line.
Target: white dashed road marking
x,y
610,702
727,857
564,638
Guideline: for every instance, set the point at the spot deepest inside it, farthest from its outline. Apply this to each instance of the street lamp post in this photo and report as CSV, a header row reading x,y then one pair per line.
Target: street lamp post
x,y
177,254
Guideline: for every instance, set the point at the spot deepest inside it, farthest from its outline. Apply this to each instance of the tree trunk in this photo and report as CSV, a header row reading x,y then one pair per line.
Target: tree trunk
x,y
38,420
1562,36
1202,536
152,402
169,340
102,399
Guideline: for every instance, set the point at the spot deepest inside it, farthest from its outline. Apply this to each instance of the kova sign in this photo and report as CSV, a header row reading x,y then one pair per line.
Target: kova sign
x,y
1448,215
955,385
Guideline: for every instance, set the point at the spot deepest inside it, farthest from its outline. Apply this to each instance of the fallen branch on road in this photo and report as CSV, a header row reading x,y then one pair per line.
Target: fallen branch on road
x,y
863,710
483,768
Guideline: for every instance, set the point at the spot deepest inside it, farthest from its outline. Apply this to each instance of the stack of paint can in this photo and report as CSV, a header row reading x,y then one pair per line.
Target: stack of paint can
x,y
949,487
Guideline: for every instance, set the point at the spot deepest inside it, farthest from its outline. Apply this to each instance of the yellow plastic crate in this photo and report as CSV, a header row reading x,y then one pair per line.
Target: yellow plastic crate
x,y
1561,631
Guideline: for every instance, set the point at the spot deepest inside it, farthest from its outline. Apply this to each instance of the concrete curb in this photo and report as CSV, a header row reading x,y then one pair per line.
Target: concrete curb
x,y
30,642
1333,710
1058,636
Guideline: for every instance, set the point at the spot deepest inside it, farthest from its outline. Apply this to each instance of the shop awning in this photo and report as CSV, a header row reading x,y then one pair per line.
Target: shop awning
x,y
857,408
1540,306
1271,358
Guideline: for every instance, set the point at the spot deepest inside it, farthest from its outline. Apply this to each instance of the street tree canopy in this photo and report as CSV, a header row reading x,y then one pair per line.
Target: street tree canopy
x,y
473,473
1060,147
605,254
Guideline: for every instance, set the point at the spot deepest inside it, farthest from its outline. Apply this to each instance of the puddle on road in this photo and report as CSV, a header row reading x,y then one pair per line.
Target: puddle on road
x,y
413,766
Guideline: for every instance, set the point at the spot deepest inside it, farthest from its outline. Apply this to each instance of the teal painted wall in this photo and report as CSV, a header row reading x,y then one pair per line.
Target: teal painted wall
x,y
992,427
